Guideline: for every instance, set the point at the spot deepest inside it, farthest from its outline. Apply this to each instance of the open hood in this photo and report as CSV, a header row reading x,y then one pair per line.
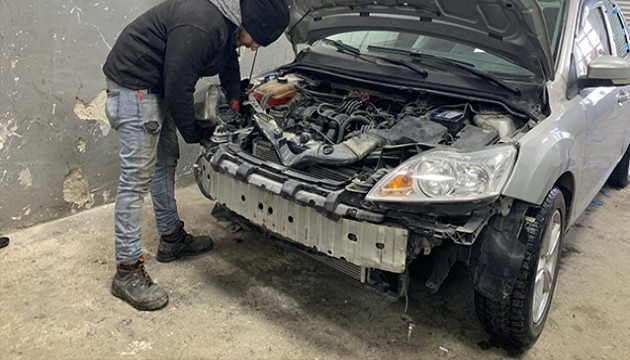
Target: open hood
x,y
513,29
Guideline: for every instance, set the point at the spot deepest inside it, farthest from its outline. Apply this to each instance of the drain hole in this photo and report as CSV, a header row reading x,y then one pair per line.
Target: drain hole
x,y
243,197
291,219
261,206
329,252
208,176
353,237
311,202
270,210
380,246
342,258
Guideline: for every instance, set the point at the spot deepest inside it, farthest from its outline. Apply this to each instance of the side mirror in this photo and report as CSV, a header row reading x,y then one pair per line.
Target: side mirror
x,y
606,70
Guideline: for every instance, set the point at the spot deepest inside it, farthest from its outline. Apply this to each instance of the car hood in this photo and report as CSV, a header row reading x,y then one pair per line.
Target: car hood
x,y
513,29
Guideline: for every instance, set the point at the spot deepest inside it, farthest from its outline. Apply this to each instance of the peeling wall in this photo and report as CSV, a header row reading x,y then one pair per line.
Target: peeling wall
x,y
58,154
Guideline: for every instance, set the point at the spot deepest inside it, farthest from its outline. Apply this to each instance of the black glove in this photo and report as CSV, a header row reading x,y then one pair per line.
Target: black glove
x,y
206,130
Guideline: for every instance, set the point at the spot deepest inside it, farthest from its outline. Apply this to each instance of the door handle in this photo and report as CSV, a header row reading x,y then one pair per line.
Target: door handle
x,y
623,96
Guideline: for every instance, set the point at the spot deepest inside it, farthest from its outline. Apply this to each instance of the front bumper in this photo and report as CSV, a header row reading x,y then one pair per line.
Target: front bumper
x,y
259,200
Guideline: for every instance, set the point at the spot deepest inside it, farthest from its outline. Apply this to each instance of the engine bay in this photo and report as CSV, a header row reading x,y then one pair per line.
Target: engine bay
x,y
349,132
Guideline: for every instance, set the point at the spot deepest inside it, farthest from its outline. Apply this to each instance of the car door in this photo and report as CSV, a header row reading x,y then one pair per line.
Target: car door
x,y
601,105
621,48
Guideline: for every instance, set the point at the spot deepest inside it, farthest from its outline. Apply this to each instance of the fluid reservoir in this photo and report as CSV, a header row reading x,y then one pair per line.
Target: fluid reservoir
x,y
502,123
279,92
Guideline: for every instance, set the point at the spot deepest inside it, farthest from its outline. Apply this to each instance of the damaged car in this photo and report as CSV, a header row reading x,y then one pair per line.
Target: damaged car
x,y
472,132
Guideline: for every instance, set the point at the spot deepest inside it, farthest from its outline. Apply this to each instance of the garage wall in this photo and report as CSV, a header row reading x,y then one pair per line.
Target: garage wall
x,y
58,154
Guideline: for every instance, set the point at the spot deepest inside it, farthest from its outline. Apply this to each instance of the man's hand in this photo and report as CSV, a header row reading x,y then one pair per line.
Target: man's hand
x,y
206,137
207,143
206,130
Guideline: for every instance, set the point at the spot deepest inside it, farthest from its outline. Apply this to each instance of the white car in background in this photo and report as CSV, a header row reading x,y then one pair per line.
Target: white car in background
x,y
433,131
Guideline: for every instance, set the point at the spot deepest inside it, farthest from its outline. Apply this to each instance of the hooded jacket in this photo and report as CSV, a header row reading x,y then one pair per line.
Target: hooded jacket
x,y
200,43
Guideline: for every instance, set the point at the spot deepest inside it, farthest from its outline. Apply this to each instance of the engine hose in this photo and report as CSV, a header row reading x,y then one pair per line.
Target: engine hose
x,y
351,107
362,113
354,107
320,106
343,107
265,100
197,174
344,125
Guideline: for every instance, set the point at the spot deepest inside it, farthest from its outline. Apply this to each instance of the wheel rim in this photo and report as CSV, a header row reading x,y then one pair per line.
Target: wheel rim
x,y
547,267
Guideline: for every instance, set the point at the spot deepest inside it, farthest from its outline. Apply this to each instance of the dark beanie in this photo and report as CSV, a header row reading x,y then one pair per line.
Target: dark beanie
x,y
265,20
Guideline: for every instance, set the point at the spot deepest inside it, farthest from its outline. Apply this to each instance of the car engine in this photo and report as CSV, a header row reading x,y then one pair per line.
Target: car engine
x,y
341,130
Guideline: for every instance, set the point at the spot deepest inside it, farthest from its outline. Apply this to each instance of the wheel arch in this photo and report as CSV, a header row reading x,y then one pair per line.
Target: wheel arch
x,y
501,247
567,185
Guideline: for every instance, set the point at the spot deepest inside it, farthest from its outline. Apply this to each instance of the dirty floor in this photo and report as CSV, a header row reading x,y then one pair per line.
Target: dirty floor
x,y
253,299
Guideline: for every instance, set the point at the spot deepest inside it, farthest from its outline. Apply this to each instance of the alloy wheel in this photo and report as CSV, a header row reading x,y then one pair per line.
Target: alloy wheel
x,y
547,267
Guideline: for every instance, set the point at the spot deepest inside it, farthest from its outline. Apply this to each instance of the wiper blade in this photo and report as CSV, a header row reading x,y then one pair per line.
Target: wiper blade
x,y
454,63
415,53
409,65
342,47
349,49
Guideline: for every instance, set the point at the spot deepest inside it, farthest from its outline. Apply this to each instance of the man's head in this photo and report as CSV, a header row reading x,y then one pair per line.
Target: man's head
x,y
245,39
263,22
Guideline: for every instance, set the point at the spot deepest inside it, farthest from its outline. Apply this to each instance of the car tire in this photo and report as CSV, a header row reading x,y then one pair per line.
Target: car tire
x,y
517,320
620,176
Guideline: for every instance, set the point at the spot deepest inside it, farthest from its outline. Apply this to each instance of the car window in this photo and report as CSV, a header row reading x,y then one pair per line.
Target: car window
x,y
430,45
618,29
552,11
592,39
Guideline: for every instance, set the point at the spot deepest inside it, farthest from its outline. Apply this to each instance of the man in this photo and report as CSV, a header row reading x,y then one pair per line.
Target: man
x,y
151,76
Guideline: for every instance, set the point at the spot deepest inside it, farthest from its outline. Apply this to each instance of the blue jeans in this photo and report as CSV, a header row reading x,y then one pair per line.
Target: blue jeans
x,y
149,151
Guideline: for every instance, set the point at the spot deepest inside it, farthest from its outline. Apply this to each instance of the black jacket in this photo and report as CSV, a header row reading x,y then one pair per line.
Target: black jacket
x,y
168,48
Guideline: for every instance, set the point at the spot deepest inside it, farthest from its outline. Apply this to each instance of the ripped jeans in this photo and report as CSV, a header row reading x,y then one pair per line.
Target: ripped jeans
x,y
149,151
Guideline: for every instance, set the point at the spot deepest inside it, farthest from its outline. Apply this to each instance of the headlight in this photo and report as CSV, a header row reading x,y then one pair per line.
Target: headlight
x,y
448,176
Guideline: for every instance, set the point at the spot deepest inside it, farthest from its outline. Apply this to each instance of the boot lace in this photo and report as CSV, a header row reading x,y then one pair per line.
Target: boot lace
x,y
144,280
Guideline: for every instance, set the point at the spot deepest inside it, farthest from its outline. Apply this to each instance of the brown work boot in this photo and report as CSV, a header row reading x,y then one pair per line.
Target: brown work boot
x,y
132,284
180,244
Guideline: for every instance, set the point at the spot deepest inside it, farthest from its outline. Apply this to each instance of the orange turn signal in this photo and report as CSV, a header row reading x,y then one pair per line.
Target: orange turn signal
x,y
400,182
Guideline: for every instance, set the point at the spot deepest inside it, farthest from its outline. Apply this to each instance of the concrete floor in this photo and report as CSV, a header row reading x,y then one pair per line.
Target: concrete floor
x,y
250,298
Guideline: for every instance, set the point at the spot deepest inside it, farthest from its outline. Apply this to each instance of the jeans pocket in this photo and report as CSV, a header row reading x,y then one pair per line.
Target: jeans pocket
x,y
112,108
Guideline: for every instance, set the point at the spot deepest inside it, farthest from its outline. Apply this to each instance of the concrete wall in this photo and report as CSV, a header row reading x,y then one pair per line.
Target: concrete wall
x,y
58,154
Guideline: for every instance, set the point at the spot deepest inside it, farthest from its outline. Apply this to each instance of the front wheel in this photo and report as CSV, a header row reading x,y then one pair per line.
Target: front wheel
x,y
517,320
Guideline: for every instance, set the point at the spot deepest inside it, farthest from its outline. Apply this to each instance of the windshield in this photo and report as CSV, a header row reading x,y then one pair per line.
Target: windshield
x,y
373,42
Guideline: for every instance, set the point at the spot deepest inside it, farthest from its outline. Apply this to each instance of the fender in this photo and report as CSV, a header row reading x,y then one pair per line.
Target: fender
x,y
541,162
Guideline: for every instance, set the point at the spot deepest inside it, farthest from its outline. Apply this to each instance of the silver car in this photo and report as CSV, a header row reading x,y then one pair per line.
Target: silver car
x,y
431,131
